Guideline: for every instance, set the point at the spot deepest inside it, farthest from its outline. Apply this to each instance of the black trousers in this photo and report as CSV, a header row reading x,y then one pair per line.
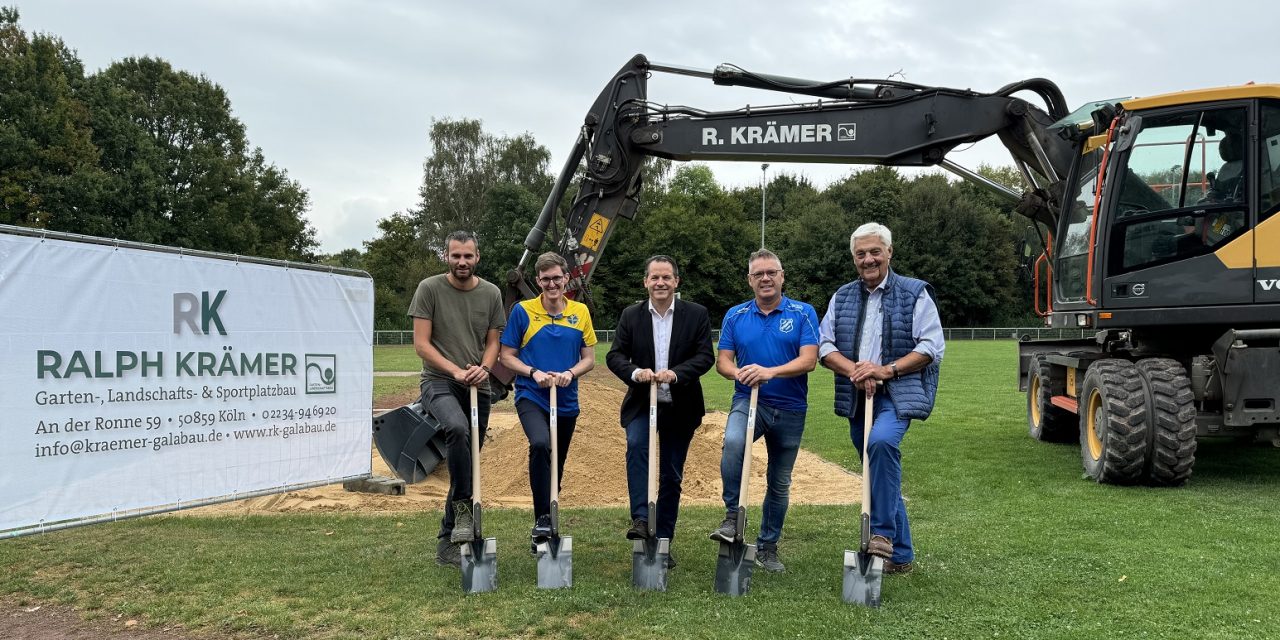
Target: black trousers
x,y
537,428
450,403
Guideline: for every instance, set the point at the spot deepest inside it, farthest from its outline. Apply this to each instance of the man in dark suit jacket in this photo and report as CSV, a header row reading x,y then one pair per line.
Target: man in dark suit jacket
x,y
669,341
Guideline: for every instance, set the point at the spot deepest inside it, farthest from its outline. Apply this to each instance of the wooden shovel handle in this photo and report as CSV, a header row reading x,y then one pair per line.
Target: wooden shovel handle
x,y
475,446
653,445
555,450
746,453
866,439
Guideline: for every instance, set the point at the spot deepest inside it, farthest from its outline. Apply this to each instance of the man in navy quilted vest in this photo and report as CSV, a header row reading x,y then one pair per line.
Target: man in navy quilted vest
x,y
771,342
882,332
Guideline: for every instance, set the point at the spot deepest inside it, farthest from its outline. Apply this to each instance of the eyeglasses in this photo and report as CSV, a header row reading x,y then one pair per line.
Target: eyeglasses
x,y
767,273
552,280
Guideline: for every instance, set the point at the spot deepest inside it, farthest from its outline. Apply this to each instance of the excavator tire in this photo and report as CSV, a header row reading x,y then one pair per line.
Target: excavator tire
x,y
1114,423
1173,422
1046,422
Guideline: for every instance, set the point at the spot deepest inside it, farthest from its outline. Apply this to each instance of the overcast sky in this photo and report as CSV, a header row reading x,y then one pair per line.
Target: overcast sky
x,y
341,93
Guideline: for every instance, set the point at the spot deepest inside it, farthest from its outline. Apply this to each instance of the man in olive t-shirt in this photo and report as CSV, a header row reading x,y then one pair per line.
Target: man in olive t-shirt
x,y
457,319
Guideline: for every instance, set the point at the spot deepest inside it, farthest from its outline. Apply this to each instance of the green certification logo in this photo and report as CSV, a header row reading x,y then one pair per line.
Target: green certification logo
x,y
322,372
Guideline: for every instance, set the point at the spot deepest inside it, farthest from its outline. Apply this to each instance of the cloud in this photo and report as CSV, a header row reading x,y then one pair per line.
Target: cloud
x,y
341,93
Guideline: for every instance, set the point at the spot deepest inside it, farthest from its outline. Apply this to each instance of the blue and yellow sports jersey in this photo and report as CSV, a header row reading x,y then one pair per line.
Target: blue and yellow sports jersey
x,y
549,343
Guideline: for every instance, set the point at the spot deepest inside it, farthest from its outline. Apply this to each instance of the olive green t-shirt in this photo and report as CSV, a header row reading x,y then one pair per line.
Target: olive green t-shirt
x,y
459,320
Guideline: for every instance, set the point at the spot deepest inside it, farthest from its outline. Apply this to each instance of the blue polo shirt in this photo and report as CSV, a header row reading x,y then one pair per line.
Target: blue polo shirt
x,y
771,340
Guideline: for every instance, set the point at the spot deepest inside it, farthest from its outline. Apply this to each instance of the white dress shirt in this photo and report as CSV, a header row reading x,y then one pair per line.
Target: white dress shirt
x,y
662,325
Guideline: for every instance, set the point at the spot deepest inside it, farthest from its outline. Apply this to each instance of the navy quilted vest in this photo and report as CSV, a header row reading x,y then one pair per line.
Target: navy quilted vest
x,y
912,393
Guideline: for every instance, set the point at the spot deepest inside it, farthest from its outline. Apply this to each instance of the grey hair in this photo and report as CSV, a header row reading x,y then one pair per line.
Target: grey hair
x,y
762,254
872,229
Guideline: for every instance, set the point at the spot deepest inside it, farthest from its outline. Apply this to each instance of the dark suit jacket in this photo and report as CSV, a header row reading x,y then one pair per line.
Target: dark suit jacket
x,y
689,356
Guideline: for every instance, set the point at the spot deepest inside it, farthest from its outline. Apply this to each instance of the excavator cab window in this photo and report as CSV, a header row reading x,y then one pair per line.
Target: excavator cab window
x,y
1269,159
1071,267
1183,190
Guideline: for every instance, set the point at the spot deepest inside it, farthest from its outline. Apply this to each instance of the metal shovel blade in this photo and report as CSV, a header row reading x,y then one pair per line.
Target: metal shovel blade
x,y
480,565
733,568
649,563
863,574
555,563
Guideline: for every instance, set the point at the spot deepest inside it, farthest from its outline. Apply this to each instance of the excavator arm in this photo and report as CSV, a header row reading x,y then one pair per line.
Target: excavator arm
x,y
852,121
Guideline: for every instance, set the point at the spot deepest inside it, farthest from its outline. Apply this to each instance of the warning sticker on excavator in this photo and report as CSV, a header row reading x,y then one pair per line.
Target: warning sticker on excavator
x,y
595,232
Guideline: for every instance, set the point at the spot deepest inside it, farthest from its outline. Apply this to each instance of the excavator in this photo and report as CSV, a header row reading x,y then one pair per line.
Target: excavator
x,y
1155,218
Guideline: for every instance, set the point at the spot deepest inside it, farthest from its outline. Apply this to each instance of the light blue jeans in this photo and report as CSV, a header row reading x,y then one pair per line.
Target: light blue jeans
x,y
781,431
888,509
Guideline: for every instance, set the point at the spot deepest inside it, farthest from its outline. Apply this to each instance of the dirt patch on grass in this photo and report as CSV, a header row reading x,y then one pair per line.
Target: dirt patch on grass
x,y
594,475
21,621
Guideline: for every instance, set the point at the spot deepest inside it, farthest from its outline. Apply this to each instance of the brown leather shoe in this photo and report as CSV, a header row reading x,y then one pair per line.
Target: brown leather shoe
x,y
893,567
880,546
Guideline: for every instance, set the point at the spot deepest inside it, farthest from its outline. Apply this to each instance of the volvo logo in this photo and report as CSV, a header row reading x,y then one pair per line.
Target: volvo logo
x,y
1139,288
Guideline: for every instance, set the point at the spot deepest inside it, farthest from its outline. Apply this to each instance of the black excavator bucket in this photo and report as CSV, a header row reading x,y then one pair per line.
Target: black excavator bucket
x,y
409,440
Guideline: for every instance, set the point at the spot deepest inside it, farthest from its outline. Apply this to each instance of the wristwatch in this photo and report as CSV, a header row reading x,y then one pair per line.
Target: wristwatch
x,y
894,366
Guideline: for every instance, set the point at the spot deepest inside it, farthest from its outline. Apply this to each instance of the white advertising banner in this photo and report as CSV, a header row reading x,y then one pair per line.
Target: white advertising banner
x,y
136,380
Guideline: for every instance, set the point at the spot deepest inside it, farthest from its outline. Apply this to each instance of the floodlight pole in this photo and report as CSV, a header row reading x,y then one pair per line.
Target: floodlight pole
x,y
763,168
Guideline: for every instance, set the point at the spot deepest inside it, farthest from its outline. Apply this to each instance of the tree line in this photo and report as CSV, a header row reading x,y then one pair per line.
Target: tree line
x,y
142,151
137,151
954,235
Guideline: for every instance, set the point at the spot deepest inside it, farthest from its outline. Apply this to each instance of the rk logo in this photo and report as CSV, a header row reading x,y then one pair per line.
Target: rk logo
x,y
187,308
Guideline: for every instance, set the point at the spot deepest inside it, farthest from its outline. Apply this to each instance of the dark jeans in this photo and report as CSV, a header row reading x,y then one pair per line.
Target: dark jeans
x,y
673,449
537,428
450,403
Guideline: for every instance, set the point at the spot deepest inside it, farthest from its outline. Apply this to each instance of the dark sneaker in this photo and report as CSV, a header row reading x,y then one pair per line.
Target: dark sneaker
x,y
542,529
727,531
893,567
880,546
767,559
448,554
463,527
639,529
671,561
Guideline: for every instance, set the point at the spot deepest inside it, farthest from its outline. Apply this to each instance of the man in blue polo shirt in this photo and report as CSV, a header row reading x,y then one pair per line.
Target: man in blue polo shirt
x,y
771,342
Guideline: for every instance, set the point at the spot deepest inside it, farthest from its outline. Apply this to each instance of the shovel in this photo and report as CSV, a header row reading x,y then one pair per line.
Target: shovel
x,y
555,555
480,555
649,556
863,572
738,559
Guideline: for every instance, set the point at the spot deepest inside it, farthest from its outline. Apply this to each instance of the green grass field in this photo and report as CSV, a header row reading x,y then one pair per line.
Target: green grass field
x,y
1011,542
396,358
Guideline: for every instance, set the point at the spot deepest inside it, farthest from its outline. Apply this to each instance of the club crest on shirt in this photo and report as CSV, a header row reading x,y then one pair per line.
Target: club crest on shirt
x,y
786,325
573,319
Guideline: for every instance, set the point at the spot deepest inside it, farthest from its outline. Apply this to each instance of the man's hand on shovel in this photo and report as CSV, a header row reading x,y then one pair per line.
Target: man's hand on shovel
x,y
867,375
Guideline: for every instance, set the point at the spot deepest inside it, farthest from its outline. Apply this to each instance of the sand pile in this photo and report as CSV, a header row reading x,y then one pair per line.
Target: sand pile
x,y
595,475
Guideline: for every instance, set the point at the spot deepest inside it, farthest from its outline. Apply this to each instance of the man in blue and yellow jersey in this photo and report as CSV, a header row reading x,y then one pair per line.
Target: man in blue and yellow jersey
x,y
549,340
771,342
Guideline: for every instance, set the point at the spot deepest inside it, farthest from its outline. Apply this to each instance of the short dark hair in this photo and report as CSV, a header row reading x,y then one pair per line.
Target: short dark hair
x,y
675,268
462,237
548,260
